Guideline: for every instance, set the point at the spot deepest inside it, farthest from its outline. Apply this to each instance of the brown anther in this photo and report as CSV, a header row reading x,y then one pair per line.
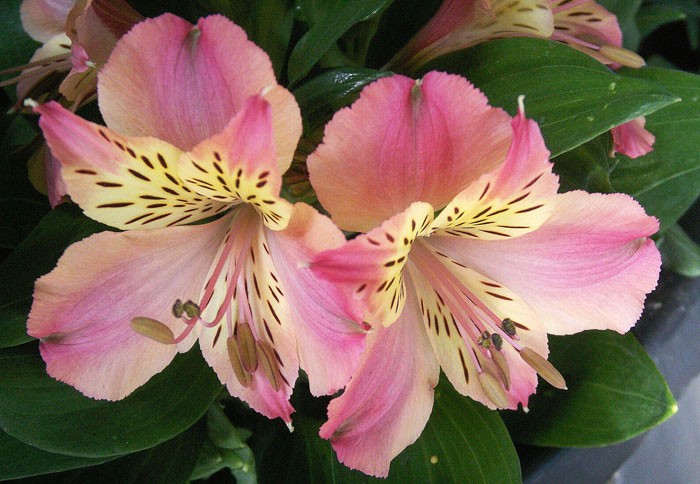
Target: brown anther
x,y
497,341
502,365
620,55
242,375
246,347
268,364
153,329
484,340
191,309
543,367
178,308
508,326
493,390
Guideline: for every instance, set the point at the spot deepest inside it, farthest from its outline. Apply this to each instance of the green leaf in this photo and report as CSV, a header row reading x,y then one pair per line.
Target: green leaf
x,y
615,393
667,180
168,463
573,97
463,442
53,416
586,167
16,47
329,20
18,459
269,25
323,95
651,17
679,252
225,447
34,257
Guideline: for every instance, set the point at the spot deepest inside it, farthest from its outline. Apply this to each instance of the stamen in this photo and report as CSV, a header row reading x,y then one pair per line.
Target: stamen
x,y
246,347
622,56
191,309
493,390
543,367
178,308
242,375
269,364
153,329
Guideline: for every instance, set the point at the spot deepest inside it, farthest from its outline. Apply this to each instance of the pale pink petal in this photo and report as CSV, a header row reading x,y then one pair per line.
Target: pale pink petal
x,y
243,305
589,266
59,45
369,267
329,342
43,19
511,201
127,183
239,165
83,308
405,141
632,139
389,399
179,82
55,186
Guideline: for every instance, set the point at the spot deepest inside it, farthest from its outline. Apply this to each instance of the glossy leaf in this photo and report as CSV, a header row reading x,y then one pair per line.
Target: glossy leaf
x,y
18,459
34,257
331,19
16,47
168,463
667,180
586,167
573,97
615,393
323,95
463,442
651,17
679,252
55,417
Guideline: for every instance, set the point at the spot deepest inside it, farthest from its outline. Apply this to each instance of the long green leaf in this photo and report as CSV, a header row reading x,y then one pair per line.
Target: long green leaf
x,y
667,180
573,97
52,416
615,393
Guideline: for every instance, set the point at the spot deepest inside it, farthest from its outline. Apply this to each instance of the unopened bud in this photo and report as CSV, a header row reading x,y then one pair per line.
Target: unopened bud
x,y
243,376
502,365
153,329
269,364
493,390
246,347
545,369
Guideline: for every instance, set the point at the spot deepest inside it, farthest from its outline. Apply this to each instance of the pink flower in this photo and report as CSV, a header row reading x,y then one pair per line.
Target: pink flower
x,y
469,259
198,130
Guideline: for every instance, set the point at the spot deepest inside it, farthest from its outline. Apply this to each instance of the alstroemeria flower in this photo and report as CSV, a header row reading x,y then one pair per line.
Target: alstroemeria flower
x,y
198,127
78,36
470,256
583,24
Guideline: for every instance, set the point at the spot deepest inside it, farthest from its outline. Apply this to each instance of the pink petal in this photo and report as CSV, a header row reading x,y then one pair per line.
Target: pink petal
x,y
405,141
589,266
57,45
369,267
178,82
127,183
513,200
43,19
83,308
329,343
389,399
632,140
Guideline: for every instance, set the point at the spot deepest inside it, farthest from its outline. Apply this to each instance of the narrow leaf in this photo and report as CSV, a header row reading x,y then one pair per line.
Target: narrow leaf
x,y
679,252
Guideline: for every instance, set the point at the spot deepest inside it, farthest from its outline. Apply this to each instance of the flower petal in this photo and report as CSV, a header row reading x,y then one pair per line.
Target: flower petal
x,y
43,19
82,309
632,140
240,165
369,267
257,301
405,141
58,45
589,266
181,83
389,399
513,200
329,343
128,183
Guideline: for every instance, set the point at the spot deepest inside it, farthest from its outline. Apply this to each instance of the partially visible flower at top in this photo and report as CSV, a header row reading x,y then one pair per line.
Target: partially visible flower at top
x,y
198,128
583,24
77,37
469,259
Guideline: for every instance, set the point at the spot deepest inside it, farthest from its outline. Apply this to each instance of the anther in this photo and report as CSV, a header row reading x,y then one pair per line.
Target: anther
x,y
508,326
242,375
484,340
497,341
178,308
622,56
269,365
191,309
543,367
246,347
502,365
493,390
153,329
